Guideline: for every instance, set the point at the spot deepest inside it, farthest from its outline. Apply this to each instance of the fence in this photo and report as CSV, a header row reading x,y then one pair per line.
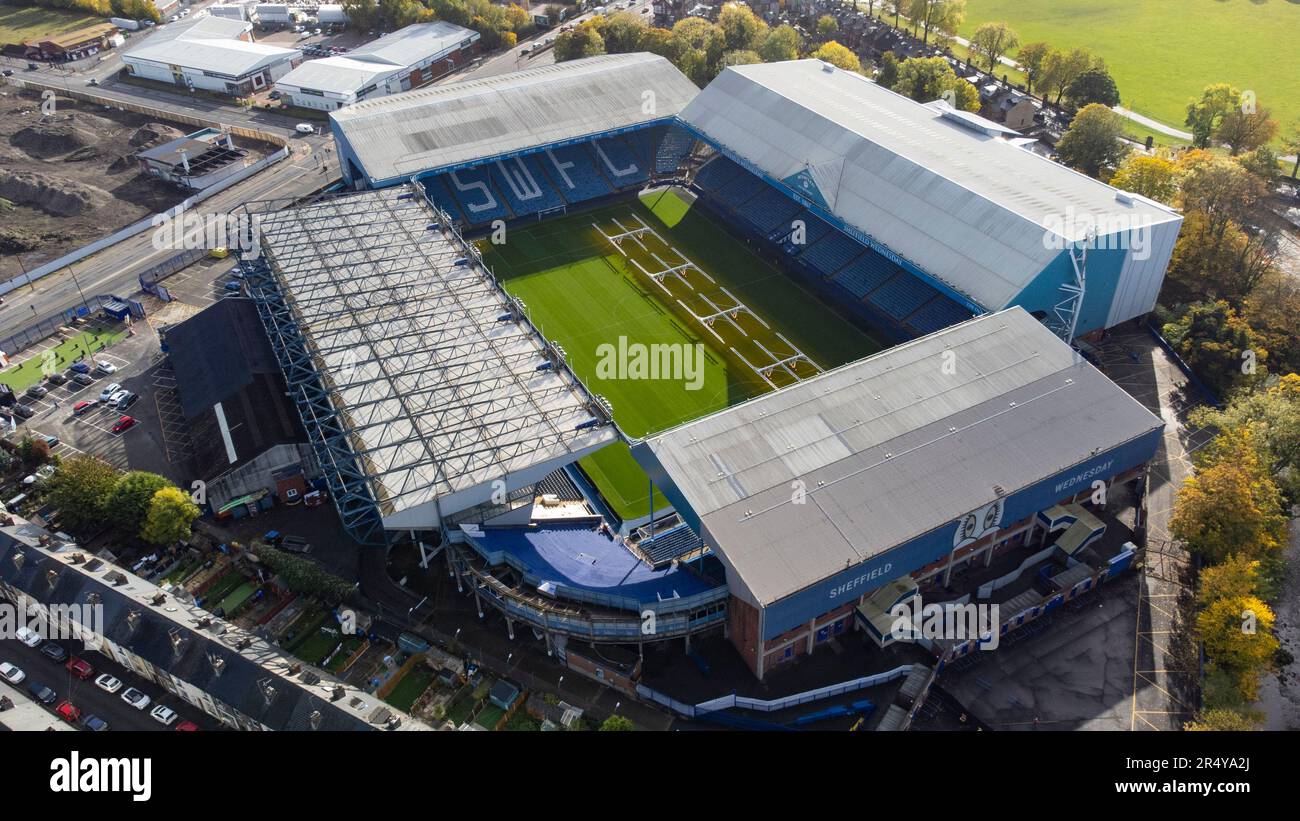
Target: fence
x,y
1209,395
45,328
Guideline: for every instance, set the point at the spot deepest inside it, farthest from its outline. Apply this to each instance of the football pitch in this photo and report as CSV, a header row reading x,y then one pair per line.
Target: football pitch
x,y
667,316
1162,53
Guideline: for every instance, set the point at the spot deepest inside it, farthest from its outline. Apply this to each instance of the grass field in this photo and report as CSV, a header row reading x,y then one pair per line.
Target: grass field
x,y
85,344
1162,53
584,294
21,23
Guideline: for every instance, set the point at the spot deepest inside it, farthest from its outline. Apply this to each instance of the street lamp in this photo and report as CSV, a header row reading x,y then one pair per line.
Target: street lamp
x,y
84,304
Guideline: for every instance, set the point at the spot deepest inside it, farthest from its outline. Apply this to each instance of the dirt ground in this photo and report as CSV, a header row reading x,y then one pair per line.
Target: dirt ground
x,y
71,177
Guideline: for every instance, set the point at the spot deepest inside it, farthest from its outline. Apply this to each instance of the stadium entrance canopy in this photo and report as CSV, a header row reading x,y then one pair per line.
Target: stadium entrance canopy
x,y
391,139
424,388
946,193
824,490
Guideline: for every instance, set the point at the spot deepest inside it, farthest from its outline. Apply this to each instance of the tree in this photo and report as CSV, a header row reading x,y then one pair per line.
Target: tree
x,y
128,503
1093,141
993,40
827,25
838,56
700,45
1262,162
303,576
622,32
1152,177
169,518
1225,720
33,452
928,78
1272,416
1236,576
1292,146
741,28
1230,506
887,74
1093,86
1238,636
780,44
1244,130
616,723
1271,309
660,41
1032,57
896,6
79,489
584,41
936,15
744,57
1061,68
1205,114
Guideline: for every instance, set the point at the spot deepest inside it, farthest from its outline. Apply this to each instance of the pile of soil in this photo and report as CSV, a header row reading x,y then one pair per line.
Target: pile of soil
x,y
151,134
61,134
55,196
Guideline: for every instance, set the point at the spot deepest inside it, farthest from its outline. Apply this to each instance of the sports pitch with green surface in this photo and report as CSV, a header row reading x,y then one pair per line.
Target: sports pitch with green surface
x,y
1162,53
584,293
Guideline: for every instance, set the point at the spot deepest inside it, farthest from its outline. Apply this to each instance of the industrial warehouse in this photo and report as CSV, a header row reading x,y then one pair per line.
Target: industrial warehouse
x,y
450,403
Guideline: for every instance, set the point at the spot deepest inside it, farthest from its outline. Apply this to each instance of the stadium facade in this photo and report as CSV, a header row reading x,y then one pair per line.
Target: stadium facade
x,y
436,406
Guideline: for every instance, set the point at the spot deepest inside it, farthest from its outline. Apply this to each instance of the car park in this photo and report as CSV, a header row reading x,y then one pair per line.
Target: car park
x,y
123,424
56,379
163,715
80,668
24,411
82,407
37,391
107,394
69,712
54,652
83,379
79,367
135,698
49,439
105,367
126,400
28,636
42,693
94,723
12,673
108,683
118,396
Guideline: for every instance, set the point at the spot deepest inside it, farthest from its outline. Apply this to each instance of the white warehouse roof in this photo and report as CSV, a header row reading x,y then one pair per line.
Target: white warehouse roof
x,y
440,394
890,448
391,54
955,198
210,44
418,131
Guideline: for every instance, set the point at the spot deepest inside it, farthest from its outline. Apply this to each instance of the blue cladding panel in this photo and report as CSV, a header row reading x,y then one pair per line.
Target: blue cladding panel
x,y
848,585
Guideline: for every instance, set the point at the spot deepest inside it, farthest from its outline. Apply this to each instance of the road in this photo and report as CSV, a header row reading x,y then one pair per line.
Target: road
x,y
91,699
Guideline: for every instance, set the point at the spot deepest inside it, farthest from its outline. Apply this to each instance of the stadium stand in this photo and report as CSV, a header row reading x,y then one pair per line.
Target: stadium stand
x,y
936,315
619,162
472,188
716,173
673,149
741,188
442,197
524,185
769,212
814,229
901,295
831,253
559,485
670,545
865,274
574,172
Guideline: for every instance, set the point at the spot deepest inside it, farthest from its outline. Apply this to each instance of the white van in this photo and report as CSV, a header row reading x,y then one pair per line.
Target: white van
x,y
305,128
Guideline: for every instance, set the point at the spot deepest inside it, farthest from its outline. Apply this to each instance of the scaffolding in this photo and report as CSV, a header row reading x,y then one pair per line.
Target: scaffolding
x,y
416,376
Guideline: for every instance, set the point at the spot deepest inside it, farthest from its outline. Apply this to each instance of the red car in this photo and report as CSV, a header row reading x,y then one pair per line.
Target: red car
x,y
187,727
68,712
125,423
80,668
82,407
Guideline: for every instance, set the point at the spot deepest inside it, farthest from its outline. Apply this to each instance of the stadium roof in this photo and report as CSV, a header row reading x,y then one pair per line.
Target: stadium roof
x,y
442,392
390,54
891,447
965,205
217,352
431,128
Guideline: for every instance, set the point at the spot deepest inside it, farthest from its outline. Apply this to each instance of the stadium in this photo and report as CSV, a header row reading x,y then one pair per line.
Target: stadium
x,y
889,302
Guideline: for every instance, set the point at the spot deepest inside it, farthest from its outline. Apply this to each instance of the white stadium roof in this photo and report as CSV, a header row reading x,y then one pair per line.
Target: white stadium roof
x,y
423,130
963,204
441,397
890,448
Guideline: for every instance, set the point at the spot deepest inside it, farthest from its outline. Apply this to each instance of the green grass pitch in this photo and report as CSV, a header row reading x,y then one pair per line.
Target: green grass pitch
x,y
583,293
1162,53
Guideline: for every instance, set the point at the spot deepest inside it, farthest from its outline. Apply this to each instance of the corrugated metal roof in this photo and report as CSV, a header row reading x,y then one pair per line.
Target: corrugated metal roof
x,y
423,130
235,58
891,447
967,207
200,28
410,45
337,74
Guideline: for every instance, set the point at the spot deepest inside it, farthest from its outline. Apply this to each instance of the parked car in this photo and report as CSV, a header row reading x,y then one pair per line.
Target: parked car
x,y
123,424
92,82
163,715
82,407
80,668
69,712
83,379
126,400
234,285
56,379
9,72
12,673
106,395
105,367
24,411
54,652
79,367
28,637
37,391
187,727
274,95
94,723
117,396
42,693
135,698
50,439
108,683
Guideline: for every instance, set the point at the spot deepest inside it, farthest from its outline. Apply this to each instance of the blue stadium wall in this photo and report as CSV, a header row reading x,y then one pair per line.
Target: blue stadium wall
x,y
817,599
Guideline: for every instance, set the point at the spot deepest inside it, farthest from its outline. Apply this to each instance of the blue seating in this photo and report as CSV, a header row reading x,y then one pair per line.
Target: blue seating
x,y
937,314
670,545
901,295
769,211
716,173
573,171
619,163
673,148
831,253
525,187
814,229
865,274
437,190
472,188
740,189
